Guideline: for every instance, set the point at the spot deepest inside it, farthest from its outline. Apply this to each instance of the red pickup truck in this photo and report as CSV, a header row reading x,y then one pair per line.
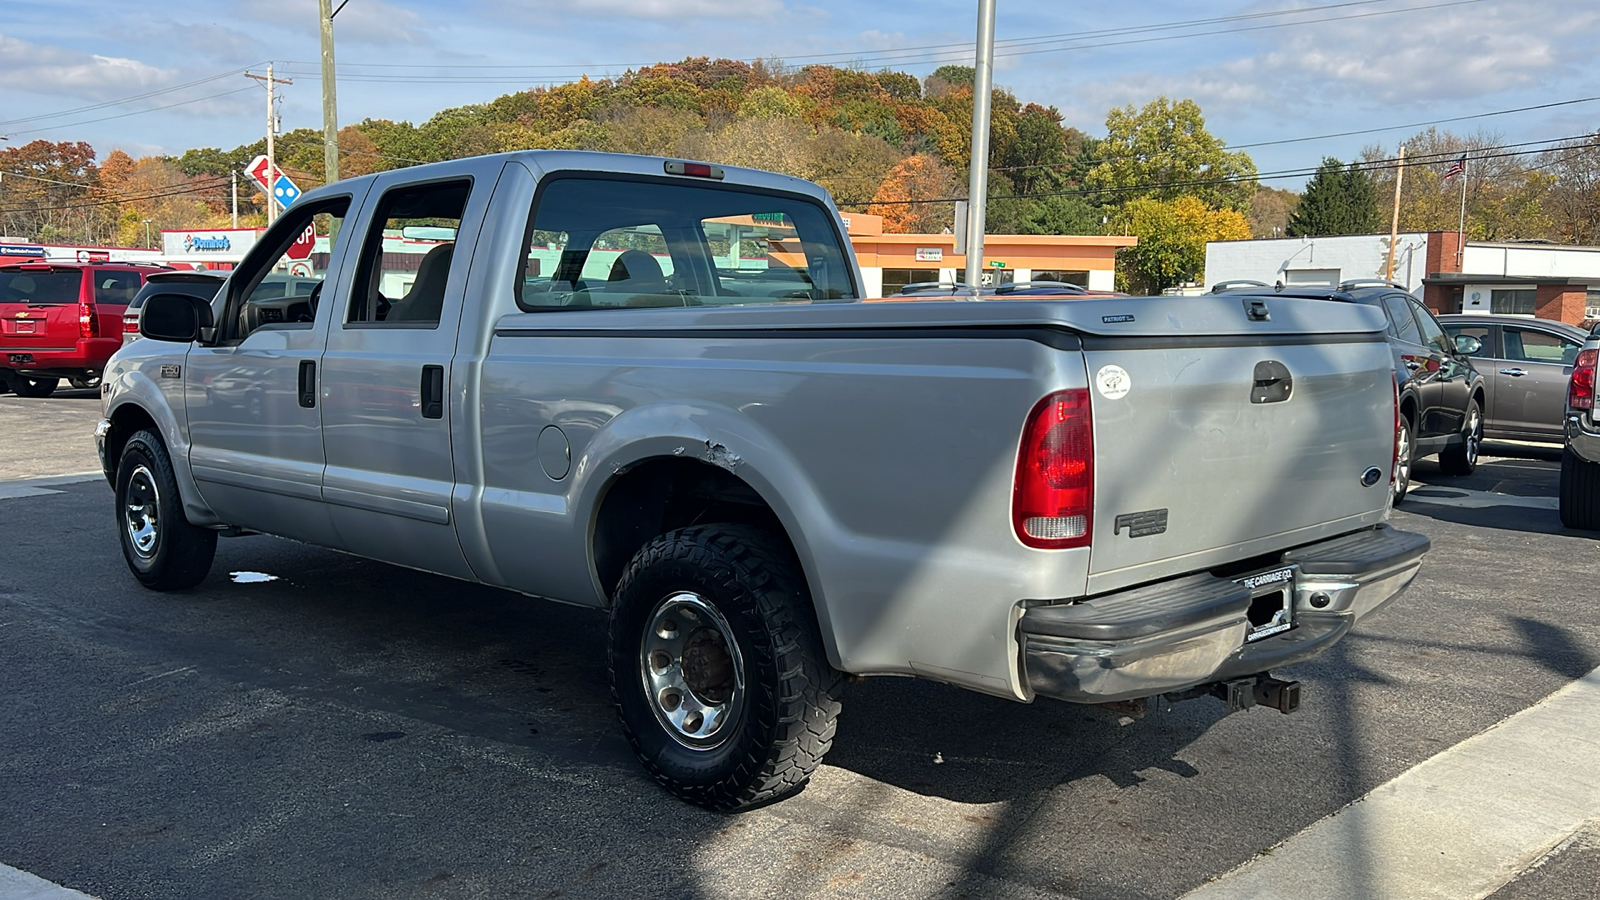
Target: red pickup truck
x,y
62,320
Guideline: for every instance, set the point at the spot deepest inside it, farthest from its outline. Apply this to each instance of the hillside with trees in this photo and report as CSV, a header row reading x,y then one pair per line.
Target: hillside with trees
x,y
882,142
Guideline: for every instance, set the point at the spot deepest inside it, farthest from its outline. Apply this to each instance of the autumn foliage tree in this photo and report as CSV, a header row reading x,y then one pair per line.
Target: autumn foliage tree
x,y
903,198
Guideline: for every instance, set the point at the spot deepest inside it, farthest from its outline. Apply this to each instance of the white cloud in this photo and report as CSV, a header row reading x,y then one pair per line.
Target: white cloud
x,y
53,70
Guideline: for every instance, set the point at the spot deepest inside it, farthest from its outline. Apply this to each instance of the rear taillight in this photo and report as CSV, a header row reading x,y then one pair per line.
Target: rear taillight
x,y
130,324
1053,500
87,326
1580,391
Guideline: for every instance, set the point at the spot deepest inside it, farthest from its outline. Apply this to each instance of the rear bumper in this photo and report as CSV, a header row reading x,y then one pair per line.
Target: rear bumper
x,y
1192,631
87,357
1583,437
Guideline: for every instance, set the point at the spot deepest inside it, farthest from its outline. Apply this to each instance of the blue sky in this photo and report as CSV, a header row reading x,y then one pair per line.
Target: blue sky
x,y
68,69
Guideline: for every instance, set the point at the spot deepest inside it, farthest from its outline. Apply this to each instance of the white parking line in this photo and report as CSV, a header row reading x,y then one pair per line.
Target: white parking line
x,y
1459,825
16,884
39,487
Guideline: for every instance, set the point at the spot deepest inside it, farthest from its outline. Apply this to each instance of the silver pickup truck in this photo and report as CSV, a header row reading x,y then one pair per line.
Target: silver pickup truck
x,y
654,387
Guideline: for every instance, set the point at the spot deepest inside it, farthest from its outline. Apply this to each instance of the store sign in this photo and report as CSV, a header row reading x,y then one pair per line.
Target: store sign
x,y
29,250
193,243
930,254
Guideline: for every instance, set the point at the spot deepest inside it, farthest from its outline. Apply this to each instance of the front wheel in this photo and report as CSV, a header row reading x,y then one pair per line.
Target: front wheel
x,y
717,669
33,387
163,550
1580,492
1462,459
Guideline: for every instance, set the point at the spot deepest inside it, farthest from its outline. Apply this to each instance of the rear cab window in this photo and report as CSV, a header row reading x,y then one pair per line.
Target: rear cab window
x,y
616,242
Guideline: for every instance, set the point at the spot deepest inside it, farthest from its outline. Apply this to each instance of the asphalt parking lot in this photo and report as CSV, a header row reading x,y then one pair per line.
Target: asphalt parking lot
x,y
310,724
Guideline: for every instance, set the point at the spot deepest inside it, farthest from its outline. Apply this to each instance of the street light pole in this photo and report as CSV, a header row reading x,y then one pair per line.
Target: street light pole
x,y
330,111
147,233
978,180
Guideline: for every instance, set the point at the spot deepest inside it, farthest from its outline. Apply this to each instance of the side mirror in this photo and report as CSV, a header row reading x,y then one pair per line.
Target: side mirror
x,y
174,317
1467,345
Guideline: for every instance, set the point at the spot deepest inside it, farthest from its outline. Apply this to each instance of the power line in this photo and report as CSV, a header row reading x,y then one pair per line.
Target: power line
x,y
137,112
110,103
215,182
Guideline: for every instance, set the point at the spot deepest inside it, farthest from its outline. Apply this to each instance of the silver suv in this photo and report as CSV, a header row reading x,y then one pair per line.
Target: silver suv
x,y
1580,459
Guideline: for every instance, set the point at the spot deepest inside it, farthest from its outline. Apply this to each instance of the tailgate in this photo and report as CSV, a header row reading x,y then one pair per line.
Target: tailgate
x,y
1245,437
39,308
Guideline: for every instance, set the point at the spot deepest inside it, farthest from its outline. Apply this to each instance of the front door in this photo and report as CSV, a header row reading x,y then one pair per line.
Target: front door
x,y
386,410
254,421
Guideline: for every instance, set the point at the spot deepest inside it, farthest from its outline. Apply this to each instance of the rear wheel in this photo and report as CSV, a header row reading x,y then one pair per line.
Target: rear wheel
x,y
33,387
162,549
1580,492
1402,462
716,667
1462,459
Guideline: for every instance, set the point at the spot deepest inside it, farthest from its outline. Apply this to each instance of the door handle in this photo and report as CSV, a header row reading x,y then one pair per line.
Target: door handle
x,y
433,392
1514,373
308,383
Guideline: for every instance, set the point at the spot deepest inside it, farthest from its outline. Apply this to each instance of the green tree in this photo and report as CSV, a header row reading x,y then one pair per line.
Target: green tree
x,y
1338,199
1165,152
1172,240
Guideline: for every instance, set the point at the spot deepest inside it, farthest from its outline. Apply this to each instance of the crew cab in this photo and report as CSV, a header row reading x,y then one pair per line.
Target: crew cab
x,y
650,386
62,320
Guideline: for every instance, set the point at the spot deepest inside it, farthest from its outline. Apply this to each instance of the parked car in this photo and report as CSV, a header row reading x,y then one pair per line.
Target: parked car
x,y
1526,364
1442,396
1580,455
62,320
195,282
1096,500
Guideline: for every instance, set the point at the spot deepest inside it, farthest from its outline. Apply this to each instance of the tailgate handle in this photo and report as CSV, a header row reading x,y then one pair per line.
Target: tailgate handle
x,y
433,392
1255,309
1273,383
308,383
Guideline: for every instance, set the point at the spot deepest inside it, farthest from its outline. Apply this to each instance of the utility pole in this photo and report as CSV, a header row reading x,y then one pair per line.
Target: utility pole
x,y
978,179
330,111
1394,225
235,174
272,127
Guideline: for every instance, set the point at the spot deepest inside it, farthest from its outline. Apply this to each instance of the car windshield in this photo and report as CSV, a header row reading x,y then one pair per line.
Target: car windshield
x,y
54,286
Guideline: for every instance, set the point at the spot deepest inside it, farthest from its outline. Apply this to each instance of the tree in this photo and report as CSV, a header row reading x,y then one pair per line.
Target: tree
x,y
1172,240
1574,200
1165,152
1338,200
1505,196
902,198
1270,209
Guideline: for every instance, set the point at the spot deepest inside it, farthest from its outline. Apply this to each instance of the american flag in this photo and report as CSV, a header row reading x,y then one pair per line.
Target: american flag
x,y
1456,168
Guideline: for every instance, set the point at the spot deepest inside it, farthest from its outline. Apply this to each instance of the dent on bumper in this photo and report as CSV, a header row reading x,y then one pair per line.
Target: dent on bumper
x,y
1347,579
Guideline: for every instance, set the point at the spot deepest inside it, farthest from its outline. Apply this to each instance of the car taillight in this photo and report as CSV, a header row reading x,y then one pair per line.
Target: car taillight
x,y
1580,391
1053,500
130,324
87,326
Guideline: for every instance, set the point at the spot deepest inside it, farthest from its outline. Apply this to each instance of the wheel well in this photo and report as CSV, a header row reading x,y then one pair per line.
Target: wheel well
x,y
661,495
1478,396
1408,409
125,422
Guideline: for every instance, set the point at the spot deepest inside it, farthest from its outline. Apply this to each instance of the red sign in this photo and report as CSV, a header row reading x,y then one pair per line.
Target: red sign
x,y
302,246
257,171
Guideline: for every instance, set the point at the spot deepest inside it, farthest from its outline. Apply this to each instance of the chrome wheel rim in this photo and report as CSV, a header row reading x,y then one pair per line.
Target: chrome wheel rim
x,y
141,515
1402,462
692,670
1474,437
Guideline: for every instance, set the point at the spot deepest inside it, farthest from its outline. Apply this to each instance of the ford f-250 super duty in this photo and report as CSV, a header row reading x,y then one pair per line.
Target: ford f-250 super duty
x,y
653,387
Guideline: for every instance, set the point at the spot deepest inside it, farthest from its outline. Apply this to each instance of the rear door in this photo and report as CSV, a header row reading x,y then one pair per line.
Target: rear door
x,y
386,411
1531,380
39,307
1421,364
1452,375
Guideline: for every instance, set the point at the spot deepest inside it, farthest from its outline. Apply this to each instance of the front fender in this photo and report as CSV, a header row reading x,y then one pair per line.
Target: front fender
x,y
136,386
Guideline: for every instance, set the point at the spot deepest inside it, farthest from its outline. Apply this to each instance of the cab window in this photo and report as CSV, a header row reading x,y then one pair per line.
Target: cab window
x,y
1529,345
1401,323
614,242
405,260
285,292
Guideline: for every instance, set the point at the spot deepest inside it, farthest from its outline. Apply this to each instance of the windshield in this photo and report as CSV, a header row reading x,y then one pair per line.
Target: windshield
x,y
40,287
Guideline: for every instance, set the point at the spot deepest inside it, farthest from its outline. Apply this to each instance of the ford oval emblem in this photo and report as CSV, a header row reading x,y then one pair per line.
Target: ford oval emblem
x,y
1371,476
